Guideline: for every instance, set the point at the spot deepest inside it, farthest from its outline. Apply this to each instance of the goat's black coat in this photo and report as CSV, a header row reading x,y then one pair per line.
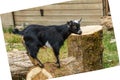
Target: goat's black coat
x,y
36,36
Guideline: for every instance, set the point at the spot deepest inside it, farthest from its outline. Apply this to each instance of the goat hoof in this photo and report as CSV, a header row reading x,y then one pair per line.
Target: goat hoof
x,y
41,65
58,66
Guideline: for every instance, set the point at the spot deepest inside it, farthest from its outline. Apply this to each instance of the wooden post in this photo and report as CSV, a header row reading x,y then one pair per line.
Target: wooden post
x,y
87,48
13,17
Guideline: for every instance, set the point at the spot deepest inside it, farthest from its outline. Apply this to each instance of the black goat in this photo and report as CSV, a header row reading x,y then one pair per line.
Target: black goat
x,y
37,36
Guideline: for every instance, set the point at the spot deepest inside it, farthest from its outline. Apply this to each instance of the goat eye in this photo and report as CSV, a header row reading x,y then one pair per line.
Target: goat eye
x,y
74,27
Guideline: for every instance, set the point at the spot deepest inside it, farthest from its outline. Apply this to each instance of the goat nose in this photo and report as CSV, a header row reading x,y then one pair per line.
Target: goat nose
x,y
79,32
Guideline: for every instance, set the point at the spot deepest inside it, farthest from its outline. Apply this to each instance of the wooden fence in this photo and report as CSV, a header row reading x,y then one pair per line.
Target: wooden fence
x,y
89,10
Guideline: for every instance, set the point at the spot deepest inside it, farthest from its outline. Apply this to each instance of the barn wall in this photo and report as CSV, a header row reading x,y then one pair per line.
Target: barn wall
x,y
106,8
89,10
7,19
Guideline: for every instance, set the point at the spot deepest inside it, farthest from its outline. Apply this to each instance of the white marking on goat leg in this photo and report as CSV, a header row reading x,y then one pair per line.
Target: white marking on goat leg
x,y
48,44
68,26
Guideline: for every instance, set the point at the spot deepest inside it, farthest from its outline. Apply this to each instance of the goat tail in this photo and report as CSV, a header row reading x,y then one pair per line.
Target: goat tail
x,y
16,31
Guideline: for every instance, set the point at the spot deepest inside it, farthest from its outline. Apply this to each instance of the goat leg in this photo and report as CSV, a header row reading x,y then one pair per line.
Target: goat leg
x,y
58,62
40,63
56,53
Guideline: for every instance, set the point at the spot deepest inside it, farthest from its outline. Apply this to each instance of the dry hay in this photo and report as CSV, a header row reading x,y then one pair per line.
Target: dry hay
x,y
106,22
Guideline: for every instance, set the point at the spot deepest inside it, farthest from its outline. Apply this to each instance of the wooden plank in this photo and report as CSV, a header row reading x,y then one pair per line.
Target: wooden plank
x,y
60,18
69,6
74,6
90,11
82,1
60,12
62,21
17,13
57,23
53,22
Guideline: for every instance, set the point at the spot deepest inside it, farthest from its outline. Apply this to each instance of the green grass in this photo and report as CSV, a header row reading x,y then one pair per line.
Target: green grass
x,y
13,41
11,38
7,30
48,52
110,55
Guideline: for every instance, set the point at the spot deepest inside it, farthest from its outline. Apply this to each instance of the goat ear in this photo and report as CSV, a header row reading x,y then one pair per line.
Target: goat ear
x,y
69,22
80,20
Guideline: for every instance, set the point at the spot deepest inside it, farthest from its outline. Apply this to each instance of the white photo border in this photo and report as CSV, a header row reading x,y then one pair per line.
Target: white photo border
x,y
103,74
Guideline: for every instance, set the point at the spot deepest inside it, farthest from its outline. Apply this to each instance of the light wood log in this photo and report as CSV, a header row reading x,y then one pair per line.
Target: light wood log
x,y
87,48
19,64
37,73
